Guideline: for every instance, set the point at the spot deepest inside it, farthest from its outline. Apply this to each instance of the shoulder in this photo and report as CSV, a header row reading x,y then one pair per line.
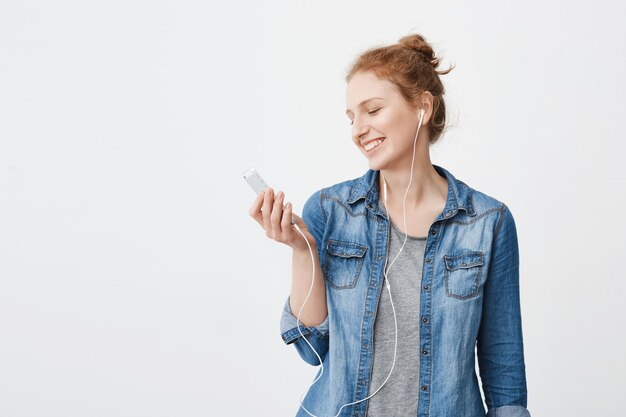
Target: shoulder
x,y
318,206
488,204
482,201
342,190
484,205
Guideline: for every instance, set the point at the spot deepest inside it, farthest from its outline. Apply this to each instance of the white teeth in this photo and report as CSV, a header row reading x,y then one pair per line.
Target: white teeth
x,y
374,144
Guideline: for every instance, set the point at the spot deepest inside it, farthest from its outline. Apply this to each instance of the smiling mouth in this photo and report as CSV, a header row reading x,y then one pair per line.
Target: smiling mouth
x,y
373,145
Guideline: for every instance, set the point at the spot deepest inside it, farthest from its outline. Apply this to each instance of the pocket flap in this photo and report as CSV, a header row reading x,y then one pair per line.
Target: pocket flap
x,y
465,260
345,249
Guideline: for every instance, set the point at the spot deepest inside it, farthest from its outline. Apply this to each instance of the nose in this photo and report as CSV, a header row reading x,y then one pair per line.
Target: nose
x,y
358,130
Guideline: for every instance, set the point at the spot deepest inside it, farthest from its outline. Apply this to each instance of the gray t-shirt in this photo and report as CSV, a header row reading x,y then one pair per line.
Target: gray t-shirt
x,y
399,395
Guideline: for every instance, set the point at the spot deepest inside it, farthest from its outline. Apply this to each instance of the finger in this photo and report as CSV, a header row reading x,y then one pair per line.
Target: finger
x,y
255,209
267,210
286,220
277,214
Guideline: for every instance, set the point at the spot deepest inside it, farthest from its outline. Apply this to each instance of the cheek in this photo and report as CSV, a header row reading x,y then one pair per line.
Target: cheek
x,y
401,131
388,124
392,126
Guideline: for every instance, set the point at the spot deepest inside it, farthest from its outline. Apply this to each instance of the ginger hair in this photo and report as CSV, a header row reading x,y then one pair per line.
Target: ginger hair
x,y
410,64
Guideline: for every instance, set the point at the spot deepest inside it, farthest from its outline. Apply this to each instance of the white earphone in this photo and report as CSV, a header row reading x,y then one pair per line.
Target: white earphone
x,y
385,270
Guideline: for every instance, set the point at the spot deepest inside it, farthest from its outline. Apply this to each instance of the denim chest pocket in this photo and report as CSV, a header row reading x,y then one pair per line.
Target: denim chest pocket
x,y
463,274
344,261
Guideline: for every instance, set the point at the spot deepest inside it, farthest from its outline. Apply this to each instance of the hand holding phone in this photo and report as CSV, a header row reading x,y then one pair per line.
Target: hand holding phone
x,y
258,185
273,216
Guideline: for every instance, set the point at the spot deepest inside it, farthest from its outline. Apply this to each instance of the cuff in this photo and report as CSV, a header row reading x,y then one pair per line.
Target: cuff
x,y
509,411
289,326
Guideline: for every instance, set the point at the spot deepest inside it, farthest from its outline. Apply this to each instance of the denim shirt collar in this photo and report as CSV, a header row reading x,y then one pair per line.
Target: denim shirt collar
x,y
459,195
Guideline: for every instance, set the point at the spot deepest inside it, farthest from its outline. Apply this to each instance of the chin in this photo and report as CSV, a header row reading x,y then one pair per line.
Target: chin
x,y
380,160
376,164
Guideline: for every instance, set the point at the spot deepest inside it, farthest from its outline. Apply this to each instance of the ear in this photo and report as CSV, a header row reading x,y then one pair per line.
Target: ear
x,y
426,105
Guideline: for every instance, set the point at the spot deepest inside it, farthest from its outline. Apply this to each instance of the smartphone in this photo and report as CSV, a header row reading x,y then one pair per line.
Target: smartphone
x,y
258,185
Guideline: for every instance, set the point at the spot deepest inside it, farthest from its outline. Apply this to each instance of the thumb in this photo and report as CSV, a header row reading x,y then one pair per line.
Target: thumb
x,y
299,221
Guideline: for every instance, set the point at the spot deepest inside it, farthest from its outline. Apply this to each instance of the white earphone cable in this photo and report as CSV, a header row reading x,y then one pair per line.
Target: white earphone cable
x,y
385,271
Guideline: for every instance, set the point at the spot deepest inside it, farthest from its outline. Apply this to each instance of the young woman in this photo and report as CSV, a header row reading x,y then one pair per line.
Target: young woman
x,y
401,341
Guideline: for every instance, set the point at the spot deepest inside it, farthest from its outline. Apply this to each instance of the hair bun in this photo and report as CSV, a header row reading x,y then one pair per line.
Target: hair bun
x,y
418,44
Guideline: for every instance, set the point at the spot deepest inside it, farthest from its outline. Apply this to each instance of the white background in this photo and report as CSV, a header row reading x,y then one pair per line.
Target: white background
x,y
133,281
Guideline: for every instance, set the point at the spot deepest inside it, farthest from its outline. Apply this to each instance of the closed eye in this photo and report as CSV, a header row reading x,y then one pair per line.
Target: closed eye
x,y
369,112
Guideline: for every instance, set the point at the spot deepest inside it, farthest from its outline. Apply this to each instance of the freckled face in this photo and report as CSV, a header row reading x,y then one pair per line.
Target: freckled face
x,y
376,109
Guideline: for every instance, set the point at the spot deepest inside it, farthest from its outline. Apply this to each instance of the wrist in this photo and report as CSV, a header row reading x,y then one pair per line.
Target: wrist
x,y
304,250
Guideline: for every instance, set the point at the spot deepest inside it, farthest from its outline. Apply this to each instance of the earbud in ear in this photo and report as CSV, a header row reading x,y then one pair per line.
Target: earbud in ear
x,y
422,113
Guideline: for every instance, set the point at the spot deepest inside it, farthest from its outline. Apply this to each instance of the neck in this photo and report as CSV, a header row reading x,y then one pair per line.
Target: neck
x,y
426,189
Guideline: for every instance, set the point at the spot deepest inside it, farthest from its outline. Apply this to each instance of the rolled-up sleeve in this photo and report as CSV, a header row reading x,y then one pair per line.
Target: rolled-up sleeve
x,y
316,335
500,347
291,333
508,411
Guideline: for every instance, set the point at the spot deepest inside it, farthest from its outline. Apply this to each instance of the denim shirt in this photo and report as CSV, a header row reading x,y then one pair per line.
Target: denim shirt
x,y
469,300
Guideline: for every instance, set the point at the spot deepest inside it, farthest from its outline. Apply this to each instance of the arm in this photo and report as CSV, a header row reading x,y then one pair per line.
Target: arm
x,y
315,308
500,348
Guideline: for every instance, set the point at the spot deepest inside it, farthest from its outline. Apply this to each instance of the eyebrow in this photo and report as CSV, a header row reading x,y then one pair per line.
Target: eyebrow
x,y
365,101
